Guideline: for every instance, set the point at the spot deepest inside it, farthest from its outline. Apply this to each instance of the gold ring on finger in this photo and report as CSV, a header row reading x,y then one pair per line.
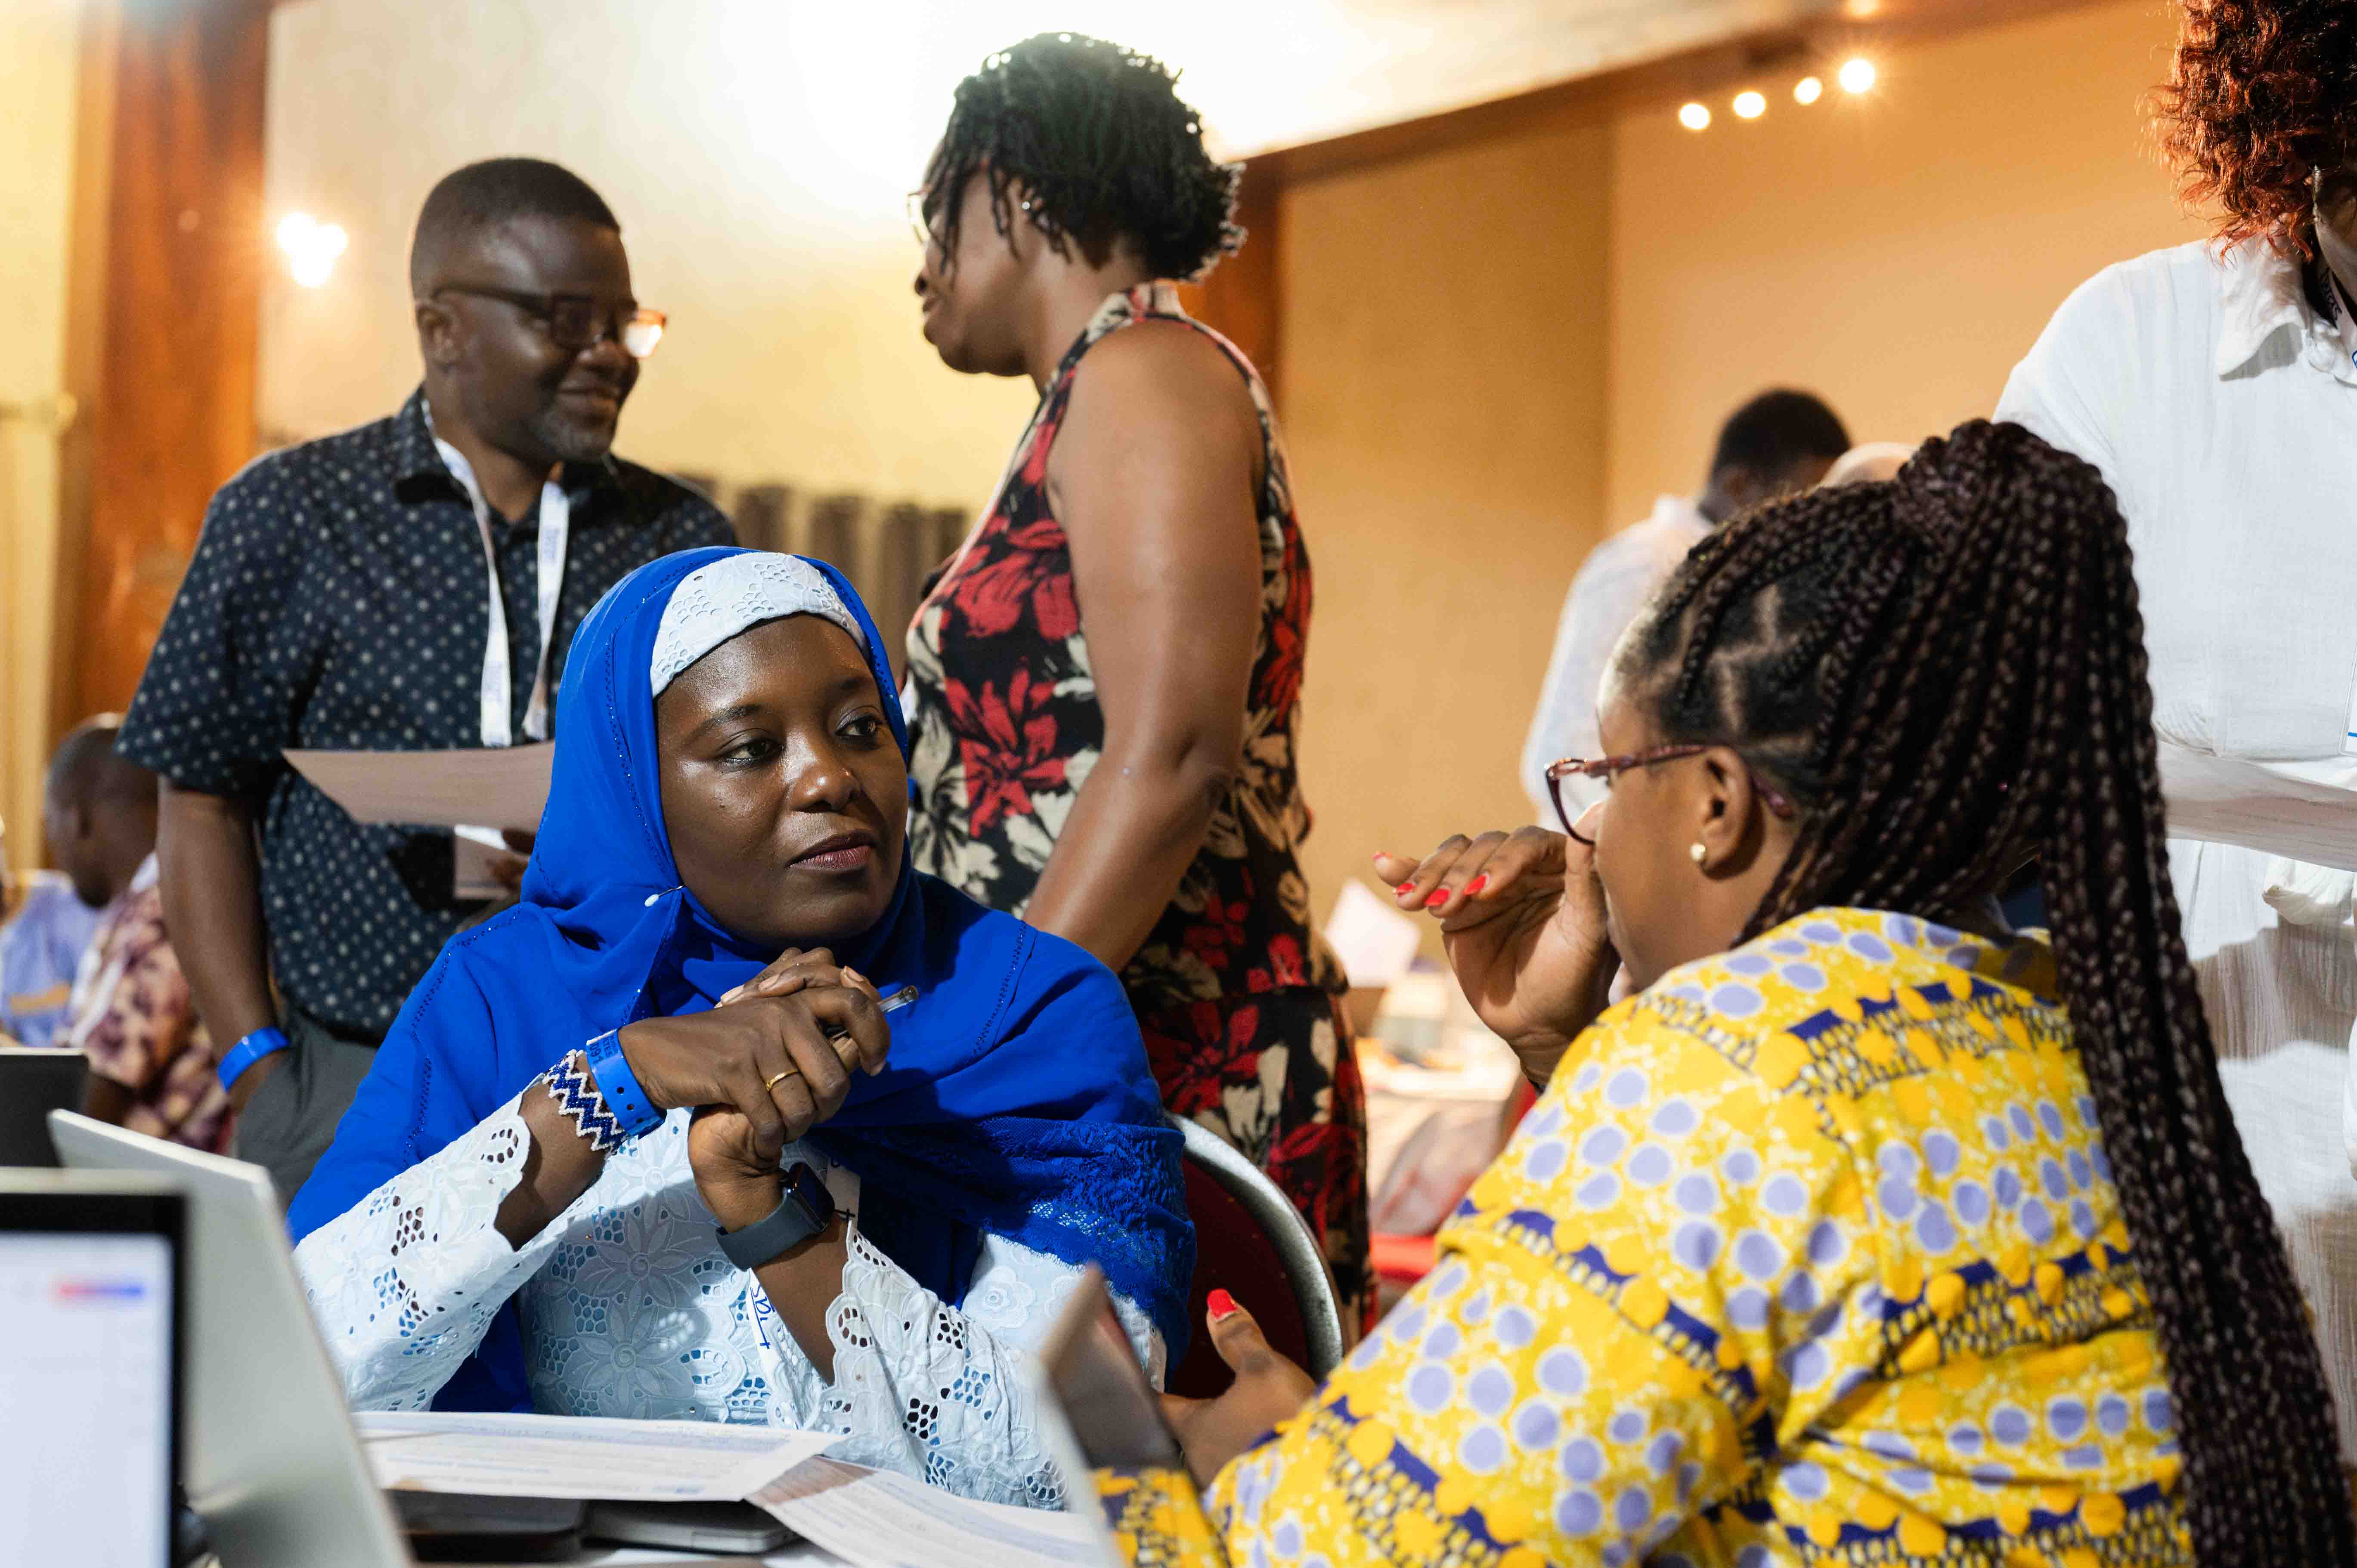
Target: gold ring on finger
x,y
770,1087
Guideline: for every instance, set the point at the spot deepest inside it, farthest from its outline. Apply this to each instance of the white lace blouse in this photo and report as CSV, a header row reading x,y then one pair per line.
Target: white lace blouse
x,y
629,1309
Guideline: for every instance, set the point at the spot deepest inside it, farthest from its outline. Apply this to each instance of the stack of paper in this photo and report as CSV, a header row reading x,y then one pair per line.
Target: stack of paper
x,y
870,1518
590,1458
875,1519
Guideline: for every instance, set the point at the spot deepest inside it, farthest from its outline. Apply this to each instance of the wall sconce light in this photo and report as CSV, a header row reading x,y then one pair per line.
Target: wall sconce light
x,y
311,247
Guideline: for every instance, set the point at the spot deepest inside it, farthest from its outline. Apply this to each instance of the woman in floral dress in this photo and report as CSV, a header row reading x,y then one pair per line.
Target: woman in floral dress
x,y
1103,682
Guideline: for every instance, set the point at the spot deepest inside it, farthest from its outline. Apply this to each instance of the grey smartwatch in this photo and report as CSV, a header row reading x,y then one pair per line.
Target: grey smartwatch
x,y
804,1208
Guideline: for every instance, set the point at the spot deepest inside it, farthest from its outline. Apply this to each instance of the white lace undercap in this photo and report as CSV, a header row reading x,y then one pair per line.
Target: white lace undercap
x,y
713,604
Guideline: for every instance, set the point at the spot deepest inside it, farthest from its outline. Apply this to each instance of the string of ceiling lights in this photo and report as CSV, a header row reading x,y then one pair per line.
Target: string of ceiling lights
x,y
1856,75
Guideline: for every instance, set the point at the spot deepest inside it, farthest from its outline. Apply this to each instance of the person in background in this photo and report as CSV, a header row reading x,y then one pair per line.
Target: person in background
x,y
412,584
2213,385
1104,683
1779,442
151,1067
1869,1230
47,930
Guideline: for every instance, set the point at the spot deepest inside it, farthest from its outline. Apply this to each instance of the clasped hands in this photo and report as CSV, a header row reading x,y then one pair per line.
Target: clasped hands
x,y
772,1060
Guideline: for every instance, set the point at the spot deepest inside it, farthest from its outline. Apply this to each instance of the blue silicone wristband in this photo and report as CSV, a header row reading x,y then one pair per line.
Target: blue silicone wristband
x,y
268,1040
619,1085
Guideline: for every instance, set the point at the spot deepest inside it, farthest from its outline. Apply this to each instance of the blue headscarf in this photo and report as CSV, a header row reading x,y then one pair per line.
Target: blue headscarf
x,y
1016,1100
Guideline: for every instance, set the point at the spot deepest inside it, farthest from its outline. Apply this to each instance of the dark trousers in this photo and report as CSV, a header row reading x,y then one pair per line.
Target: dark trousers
x,y
292,1118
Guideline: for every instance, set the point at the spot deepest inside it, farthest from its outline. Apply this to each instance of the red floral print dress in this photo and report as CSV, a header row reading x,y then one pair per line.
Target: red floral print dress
x,y
1239,999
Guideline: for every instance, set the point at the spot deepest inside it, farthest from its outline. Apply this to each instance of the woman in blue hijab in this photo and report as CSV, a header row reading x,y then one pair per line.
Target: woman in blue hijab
x,y
650,1145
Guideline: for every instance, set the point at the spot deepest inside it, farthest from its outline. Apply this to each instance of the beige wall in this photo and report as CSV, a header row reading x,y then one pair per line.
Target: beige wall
x,y
1495,357
1895,252
1443,350
37,74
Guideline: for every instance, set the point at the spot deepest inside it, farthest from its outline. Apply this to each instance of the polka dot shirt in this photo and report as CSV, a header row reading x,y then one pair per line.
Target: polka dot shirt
x,y
336,600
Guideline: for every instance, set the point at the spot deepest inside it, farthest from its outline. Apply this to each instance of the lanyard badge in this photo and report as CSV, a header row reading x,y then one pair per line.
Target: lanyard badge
x,y
555,525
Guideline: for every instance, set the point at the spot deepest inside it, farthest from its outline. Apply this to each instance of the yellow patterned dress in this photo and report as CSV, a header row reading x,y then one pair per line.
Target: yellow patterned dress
x,y
1809,1254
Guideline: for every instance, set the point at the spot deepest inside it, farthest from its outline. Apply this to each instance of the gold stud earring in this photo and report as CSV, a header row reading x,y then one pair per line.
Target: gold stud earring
x,y
1697,853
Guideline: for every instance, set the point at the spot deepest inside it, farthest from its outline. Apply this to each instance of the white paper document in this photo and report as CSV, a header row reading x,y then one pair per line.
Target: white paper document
x,y
473,851
491,786
875,1519
579,1457
1374,941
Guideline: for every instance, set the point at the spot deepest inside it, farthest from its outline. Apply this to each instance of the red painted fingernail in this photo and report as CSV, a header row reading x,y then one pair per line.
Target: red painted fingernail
x,y
1476,886
1405,888
1222,1305
1439,896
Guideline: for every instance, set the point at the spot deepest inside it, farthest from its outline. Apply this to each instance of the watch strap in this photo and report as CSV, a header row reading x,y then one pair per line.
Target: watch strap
x,y
268,1040
620,1085
804,1208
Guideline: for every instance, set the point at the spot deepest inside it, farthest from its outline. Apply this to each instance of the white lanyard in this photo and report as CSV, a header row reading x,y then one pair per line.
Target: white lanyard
x,y
555,524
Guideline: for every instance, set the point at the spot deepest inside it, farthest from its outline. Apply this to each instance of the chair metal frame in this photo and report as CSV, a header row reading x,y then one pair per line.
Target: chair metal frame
x,y
1306,1273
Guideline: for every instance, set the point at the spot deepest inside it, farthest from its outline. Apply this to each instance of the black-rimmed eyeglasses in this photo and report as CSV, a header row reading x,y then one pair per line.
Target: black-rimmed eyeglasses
x,y
576,321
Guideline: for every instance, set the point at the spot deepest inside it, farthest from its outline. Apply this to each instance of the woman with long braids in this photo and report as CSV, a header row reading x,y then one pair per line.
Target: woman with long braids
x,y
1105,681
1867,1231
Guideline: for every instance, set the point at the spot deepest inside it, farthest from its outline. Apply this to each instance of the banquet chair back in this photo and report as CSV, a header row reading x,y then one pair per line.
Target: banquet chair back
x,y
1253,1243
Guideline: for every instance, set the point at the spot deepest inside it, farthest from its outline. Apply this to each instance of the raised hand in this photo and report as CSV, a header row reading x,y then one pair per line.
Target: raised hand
x,y
1522,915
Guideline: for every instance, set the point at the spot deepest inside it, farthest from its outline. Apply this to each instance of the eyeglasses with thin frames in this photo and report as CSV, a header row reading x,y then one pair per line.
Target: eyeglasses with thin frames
x,y
918,224
576,321
1608,768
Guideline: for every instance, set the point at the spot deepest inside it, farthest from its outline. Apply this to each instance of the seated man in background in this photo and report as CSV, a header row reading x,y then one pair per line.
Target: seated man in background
x,y
1779,443
41,943
150,1064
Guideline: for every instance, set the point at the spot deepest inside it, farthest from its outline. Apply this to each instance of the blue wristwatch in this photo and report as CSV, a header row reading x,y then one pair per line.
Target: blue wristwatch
x,y
268,1040
804,1208
619,1085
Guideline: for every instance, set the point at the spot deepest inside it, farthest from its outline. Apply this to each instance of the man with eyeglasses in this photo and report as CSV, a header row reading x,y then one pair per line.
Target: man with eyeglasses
x,y
413,585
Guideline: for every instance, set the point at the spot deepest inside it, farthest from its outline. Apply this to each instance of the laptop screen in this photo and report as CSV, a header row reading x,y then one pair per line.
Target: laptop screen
x,y
86,1447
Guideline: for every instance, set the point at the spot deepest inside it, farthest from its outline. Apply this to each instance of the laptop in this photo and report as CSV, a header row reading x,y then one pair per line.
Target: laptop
x,y
33,1082
89,1305
274,1469
271,1464
1094,1407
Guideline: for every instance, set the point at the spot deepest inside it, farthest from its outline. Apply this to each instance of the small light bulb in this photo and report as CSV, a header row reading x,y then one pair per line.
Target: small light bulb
x,y
1749,105
294,231
1856,75
1694,117
1808,90
311,269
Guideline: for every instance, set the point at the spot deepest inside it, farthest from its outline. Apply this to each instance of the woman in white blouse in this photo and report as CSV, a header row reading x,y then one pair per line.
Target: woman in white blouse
x,y
2214,386
648,1145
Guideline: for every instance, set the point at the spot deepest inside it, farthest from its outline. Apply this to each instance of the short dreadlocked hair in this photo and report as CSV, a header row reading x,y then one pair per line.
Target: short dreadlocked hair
x,y
2263,93
1947,671
1103,146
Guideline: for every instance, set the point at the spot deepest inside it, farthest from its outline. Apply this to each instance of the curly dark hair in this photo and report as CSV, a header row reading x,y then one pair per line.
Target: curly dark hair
x,y
1947,671
1103,146
2263,94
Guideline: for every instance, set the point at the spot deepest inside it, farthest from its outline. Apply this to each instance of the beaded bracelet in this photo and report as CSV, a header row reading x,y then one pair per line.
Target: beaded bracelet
x,y
569,1083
